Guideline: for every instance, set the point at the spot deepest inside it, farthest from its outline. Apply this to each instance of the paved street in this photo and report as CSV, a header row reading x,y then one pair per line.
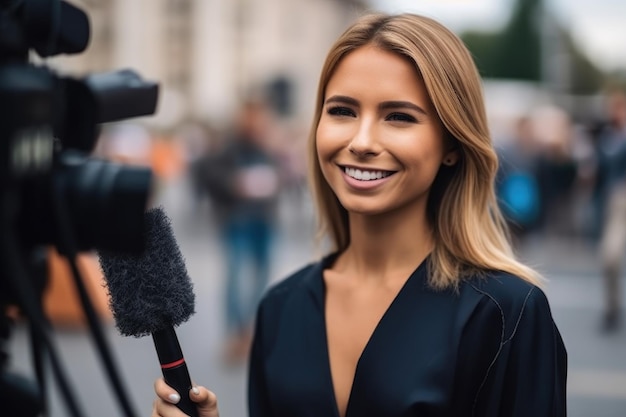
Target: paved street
x,y
597,381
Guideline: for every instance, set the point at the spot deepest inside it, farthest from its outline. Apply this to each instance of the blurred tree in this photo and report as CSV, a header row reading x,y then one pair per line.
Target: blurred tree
x,y
513,52
481,45
518,47
516,51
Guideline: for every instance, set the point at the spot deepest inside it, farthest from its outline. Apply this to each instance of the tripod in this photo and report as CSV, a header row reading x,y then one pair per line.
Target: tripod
x,y
20,396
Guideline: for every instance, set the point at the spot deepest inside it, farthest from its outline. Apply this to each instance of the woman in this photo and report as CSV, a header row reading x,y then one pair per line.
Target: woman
x,y
422,308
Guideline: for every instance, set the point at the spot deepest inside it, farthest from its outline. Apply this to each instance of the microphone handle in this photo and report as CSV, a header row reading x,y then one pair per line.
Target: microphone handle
x,y
174,368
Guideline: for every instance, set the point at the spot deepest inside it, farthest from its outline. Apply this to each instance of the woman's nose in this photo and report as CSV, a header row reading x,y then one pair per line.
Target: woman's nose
x,y
364,142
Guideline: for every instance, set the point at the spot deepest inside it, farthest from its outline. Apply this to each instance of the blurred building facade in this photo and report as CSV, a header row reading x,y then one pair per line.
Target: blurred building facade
x,y
207,53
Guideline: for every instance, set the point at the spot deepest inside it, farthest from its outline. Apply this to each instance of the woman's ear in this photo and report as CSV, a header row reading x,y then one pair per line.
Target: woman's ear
x,y
451,157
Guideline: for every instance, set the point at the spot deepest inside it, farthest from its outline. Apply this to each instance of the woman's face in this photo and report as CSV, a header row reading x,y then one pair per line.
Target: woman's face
x,y
379,140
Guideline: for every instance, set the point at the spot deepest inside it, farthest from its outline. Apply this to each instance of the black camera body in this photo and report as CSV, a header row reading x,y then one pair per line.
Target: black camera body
x,y
50,123
52,191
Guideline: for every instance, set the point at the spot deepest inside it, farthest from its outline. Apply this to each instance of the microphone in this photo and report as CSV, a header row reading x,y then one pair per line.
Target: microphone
x,y
151,293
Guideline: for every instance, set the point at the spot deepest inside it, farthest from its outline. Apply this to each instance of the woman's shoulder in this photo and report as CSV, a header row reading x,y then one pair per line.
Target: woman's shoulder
x,y
307,281
286,302
501,286
509,297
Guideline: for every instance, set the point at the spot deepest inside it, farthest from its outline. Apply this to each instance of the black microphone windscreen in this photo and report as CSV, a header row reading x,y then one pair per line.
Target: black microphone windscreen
x,y
149,291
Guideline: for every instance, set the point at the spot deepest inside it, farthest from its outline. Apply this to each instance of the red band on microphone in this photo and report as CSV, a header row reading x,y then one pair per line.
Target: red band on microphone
x,y
172,364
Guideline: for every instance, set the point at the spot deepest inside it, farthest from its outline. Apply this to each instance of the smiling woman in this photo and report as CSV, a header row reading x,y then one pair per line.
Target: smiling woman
x,y
420,308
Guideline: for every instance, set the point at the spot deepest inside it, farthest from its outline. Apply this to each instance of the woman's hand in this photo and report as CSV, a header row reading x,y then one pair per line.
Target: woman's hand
x,y
167,397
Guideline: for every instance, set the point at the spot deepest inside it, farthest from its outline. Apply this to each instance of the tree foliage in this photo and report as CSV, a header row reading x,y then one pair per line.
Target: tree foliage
x,y
515,51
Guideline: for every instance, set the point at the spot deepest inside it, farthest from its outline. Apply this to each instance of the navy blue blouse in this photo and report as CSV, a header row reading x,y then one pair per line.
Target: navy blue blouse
x,y
489,350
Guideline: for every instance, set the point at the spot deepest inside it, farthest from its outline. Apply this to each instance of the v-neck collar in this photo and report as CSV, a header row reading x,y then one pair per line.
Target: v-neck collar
x,y
318,291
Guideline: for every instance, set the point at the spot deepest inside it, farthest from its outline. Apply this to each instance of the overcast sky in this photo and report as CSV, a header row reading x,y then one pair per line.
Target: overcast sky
x,y
598,26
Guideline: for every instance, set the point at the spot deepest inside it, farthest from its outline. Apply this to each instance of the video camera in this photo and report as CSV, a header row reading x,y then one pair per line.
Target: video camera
x,y
52,192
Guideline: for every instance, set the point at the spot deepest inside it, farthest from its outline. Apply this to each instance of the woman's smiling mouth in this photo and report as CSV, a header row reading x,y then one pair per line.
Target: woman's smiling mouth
x,y
361,174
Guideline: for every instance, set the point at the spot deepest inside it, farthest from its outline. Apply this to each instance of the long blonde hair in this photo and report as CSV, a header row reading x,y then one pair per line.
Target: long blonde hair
x,y
469,231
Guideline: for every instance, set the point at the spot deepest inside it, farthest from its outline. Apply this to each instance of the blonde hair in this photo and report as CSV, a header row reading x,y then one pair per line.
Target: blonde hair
x,y
470,233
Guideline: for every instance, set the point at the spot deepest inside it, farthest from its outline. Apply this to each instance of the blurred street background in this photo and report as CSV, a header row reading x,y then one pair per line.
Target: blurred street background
x,y
238,77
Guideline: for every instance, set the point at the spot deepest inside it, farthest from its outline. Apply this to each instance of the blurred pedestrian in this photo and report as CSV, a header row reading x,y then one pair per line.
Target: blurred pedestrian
x,y
199,141
611,202
421,308
242,181
517,186
557,169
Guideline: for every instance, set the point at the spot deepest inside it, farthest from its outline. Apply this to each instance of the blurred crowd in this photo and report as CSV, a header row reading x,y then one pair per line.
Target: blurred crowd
x,y
562,178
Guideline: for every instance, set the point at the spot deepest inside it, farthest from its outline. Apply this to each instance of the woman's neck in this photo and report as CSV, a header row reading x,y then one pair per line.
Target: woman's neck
x,y
383,248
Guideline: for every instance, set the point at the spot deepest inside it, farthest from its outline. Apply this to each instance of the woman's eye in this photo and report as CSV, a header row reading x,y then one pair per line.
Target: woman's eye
x,y
340,111
401,117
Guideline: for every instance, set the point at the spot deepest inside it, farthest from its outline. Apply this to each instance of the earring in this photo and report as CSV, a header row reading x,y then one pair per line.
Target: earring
x,y
448,161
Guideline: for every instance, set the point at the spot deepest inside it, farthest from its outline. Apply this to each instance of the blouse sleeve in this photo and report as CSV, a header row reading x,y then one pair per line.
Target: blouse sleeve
x,y
258,402
528,375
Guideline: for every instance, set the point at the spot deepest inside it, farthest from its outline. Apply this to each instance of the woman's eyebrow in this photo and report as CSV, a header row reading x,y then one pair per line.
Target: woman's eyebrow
x,y
387,105
402,104
342,100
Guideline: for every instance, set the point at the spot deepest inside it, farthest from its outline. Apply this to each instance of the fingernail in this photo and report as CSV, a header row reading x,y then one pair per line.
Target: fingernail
x,y
195,390
174,398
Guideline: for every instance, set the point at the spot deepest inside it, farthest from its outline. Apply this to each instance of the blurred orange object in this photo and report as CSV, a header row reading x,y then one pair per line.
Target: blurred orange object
x,y
167,158
61,302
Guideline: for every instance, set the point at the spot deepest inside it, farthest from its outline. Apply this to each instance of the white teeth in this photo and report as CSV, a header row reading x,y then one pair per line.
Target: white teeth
x,y
365,175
